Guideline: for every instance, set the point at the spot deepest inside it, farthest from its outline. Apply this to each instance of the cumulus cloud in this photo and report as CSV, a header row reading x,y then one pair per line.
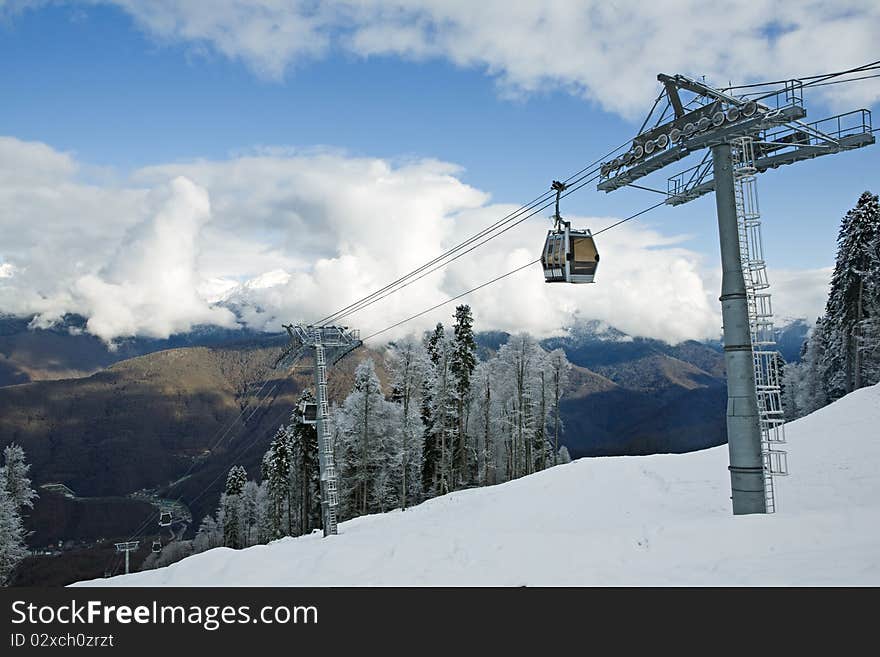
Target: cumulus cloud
x,y
800,293
607,52
284,236
150,287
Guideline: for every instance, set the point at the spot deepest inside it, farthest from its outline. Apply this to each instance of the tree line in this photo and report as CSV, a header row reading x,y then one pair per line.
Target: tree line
x,y
444,420
842,352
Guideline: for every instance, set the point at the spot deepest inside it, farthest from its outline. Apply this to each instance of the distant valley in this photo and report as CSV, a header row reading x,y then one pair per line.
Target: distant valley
x,y
161,415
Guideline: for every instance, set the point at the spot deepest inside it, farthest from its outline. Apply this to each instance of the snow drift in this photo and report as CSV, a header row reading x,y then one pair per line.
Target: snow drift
x,y
649,520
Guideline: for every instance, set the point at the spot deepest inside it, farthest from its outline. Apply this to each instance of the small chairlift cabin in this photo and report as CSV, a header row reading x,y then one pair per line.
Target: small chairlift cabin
x,y
308,412
157,546
165,518
569,256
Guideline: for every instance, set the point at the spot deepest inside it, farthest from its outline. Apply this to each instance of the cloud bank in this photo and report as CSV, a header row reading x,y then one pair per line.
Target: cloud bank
x,y
287,236
608,52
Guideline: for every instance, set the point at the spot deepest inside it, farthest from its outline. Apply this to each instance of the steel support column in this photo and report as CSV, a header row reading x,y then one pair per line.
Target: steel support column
x,y
743,428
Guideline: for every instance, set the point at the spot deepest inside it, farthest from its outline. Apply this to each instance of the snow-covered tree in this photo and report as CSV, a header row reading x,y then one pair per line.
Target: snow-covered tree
x,y
563,456
803,382
852,298
230,502
12,546
305,476
560,370
209,536
356,422
276,475
406,362
521,361
14,475
249,505
435,348
462,361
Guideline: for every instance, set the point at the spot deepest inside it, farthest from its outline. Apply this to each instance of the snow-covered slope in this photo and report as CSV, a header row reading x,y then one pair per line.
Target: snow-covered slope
x,y
653,520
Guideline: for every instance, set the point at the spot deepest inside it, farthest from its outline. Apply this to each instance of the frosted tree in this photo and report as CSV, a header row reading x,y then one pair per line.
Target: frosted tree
x,y
462,361
406,362
249,506
560,371
485,420
365,446
519,360
541,407
852,297
563,455
230,502
14,475
803,382
434,347
305,476
12,546
209,536
276,476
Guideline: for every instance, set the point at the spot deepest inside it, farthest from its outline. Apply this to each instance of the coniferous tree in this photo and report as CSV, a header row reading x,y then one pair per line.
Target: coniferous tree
x,y
15,478
276,475
434,349
230,502
16,495
463,360
305,477
852,297
12,546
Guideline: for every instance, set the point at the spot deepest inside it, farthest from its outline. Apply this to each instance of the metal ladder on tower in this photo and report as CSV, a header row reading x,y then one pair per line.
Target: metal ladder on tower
x,y
330,492
768,390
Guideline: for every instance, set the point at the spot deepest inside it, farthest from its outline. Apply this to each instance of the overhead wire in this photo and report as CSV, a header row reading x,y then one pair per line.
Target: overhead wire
x,y
869,66
390,288
256,406
486,232
502,276
540,203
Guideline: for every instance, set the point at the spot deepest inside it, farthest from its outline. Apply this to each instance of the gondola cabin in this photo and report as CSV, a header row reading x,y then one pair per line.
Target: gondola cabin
x,y
157,546
165,519
308,412
569,256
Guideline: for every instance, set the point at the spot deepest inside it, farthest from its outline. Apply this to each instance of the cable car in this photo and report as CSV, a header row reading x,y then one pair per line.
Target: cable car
x,y
308,412
569,256
157,546
165,518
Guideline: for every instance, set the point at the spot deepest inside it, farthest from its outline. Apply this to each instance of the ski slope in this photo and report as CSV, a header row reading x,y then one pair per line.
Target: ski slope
x,y
651,520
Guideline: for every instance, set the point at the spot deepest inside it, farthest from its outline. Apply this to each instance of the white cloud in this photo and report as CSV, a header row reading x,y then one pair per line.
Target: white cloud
x,y
150,286
800,293
292,237
607,52
7,270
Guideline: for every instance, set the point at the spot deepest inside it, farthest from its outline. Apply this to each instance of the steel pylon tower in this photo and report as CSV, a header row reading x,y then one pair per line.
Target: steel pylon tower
x,y
765,356
329,344
742,137
127,547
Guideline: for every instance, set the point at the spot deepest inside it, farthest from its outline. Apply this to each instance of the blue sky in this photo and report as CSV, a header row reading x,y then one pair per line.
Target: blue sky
x,y
99,83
